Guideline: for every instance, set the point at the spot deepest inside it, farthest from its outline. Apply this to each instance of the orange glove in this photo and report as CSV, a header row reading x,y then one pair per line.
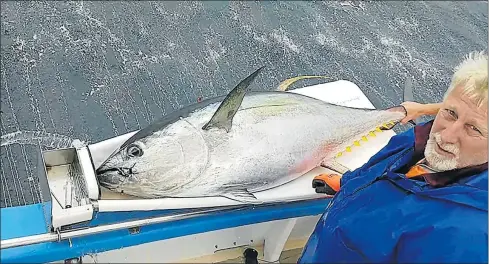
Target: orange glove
x,y
326,183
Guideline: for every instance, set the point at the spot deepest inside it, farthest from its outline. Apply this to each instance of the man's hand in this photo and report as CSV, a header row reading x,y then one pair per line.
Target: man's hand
x,y
415,110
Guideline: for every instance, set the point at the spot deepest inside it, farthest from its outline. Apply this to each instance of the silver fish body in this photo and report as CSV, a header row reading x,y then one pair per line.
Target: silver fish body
x,y
274,138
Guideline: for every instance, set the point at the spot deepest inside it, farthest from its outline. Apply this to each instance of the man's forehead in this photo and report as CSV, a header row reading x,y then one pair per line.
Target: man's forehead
x,y
458,94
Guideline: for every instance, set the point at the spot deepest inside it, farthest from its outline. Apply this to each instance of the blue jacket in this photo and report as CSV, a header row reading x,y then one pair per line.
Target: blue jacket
x,y
381,216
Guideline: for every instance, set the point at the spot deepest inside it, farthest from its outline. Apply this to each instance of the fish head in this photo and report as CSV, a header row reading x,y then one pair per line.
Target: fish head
x,y
154,165
122,167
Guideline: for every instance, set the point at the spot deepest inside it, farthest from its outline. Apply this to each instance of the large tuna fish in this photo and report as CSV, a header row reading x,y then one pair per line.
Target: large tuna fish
x,y
237,145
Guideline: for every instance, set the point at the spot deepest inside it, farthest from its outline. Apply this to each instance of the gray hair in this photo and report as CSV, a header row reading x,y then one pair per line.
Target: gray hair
x,y
471,75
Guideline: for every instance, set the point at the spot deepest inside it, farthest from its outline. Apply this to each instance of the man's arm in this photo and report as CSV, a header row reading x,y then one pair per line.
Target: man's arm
x,y
437,243
415,110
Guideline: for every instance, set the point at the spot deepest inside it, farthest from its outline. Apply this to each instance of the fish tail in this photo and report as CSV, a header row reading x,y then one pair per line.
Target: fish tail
x,y
391,124
397,109
401,109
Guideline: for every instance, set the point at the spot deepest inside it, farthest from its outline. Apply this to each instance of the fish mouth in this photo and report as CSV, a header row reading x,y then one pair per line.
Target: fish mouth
x,y
101,171
123,171
111,178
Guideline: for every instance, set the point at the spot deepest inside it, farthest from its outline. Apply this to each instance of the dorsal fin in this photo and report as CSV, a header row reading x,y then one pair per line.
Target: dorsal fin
x,y
223,117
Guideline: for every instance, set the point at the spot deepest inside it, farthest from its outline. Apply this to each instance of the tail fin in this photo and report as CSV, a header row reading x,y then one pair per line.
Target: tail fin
x,y
391,124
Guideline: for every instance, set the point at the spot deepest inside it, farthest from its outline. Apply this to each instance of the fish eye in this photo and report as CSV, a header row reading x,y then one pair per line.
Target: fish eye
x,y
134,151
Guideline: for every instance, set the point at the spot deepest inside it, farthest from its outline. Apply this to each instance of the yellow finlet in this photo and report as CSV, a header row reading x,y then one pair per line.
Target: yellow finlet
x,y
284,85
364,138
388,125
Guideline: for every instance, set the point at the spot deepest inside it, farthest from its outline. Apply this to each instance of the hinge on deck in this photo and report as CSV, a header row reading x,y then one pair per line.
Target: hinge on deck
x,y
58,235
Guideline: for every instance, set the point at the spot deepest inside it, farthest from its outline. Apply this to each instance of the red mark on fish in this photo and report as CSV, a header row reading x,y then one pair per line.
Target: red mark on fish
x,y
313,160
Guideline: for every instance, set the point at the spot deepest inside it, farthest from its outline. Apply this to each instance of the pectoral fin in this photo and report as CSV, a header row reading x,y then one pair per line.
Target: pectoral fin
x,y
223,117
242,195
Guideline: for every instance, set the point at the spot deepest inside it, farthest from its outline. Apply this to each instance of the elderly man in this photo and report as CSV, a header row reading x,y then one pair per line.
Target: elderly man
x,y
423,197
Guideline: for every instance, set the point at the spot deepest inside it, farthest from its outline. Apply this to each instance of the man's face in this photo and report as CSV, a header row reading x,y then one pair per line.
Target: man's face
x,y
458,137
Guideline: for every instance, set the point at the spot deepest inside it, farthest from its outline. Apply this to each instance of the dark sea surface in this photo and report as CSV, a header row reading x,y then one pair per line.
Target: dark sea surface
x,y
94,70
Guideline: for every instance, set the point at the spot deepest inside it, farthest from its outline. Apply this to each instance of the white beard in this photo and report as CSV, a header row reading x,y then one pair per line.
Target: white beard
x,y
437,161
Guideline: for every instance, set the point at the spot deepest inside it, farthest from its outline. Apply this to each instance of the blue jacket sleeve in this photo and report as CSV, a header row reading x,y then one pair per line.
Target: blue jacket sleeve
x,y
451,244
